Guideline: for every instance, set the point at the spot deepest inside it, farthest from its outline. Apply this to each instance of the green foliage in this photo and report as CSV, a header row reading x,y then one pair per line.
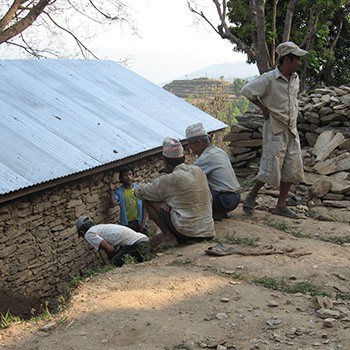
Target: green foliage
x,y
129,260
220,103
336,239
329,60
283,226
7,319
43,314
76,281
281,285
280,225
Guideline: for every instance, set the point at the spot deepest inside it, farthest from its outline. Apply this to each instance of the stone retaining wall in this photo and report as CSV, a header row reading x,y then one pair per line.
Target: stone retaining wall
x,y
39,247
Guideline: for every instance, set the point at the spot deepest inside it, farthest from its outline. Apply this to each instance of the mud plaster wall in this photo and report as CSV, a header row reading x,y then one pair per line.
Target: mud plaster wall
x,y
39,248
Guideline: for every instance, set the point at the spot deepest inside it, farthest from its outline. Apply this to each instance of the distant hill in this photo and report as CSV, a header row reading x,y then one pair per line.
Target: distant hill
x,y
199,87
227,70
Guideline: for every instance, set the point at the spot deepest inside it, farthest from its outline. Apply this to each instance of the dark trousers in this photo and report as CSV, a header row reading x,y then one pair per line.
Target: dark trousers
x,y
225,201
138,251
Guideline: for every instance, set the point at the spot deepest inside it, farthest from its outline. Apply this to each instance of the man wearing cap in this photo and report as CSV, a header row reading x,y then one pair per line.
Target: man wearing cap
x,y
275,93
116,240
222,180
179,201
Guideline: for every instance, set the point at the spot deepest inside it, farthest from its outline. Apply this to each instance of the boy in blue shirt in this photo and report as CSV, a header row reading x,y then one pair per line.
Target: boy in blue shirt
x,y
132,213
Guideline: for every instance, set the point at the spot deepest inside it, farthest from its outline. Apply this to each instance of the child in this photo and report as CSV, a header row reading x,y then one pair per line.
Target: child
x,y
132,213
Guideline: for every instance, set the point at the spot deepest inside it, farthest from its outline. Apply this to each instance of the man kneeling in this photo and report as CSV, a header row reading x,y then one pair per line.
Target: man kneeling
x,y
116,240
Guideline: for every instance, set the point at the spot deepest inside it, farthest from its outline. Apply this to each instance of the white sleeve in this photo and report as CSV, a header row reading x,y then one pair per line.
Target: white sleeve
x,y
93,238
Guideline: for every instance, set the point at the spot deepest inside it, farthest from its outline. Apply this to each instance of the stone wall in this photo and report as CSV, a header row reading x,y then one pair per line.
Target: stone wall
x,y
40,251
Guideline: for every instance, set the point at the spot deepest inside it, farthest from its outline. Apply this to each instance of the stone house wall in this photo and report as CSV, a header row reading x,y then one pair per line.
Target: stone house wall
x,y
40,251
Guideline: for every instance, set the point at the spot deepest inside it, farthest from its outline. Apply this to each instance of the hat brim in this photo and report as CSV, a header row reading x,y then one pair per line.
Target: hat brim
x,y
299,52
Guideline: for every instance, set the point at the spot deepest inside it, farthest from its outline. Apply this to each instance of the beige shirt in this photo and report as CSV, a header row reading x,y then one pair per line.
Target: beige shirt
x,y
280,97
186,191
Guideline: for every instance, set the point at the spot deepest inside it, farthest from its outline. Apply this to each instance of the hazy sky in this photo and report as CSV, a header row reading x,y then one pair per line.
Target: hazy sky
x,y
170,44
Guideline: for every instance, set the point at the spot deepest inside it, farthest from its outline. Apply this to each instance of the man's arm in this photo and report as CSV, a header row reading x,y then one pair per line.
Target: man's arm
x,y
264,109
112,202
109,249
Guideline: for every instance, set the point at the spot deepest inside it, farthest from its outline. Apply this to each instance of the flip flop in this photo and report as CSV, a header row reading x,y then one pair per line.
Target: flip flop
x,y
249,204
284,212
220,250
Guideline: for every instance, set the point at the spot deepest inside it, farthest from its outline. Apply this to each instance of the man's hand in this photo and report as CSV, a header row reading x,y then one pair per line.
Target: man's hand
x,y
112,186
265,111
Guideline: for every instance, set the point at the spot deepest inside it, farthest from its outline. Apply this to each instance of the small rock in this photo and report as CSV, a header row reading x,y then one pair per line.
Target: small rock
x,y
323,302
221,347
221,316
274,322
326,313
340,276
48,327
224,299
329,322
272,304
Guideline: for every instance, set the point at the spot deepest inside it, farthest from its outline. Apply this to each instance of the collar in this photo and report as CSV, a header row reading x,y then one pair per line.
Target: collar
x,y
278,74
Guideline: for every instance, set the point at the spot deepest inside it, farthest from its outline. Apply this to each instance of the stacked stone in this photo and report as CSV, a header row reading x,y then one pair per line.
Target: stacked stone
x,y
325,109
324,129
245,143
40,251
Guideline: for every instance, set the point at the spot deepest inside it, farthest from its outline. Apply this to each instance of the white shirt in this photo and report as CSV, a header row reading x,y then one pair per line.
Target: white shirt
x,y
279,95
186,191
115,235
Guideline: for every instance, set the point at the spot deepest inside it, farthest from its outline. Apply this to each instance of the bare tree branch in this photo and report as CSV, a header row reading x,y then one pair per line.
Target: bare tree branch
x,y
43,37
81,46
25,22
222,29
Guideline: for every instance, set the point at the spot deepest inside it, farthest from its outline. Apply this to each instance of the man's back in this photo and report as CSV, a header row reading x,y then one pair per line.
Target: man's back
x,y
186,191
115,235
217,166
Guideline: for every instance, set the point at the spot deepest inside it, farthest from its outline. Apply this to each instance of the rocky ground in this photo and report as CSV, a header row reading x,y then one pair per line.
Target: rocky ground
x,y
285,287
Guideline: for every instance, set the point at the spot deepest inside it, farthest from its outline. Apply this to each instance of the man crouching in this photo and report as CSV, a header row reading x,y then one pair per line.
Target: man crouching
x,y
116,240
179,201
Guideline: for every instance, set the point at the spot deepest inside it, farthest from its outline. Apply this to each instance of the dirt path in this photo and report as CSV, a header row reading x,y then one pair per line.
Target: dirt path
x,y
186,299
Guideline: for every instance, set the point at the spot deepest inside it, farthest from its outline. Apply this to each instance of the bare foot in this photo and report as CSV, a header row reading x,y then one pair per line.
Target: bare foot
x,y
162,241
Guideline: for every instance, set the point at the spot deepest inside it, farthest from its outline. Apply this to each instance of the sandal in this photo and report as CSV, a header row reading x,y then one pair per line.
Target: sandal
x,y
249,204
220,250
285,211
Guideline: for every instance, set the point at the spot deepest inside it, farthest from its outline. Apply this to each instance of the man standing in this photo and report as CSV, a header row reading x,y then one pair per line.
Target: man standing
x,y
275,93
179,201
215,163
116,240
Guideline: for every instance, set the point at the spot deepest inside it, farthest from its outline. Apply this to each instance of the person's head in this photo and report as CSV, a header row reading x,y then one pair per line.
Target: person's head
x,y
289,56
197,138
173,153
126,175
83,224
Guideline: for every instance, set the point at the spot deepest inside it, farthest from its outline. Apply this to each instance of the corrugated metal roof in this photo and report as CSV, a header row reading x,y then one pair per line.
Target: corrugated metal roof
x,y
61,117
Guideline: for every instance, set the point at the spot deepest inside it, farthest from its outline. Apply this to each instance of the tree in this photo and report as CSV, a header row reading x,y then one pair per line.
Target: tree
x,y
256,27
41,27
221,103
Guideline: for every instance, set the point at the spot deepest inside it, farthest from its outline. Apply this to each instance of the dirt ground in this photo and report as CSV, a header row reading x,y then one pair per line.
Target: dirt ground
x,y
187,299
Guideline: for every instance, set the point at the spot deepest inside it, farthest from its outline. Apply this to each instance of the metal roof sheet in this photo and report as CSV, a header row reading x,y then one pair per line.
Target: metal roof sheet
x,y
61,117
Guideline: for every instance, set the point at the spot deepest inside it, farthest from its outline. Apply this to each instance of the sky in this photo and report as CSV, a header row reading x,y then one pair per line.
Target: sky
x,y
170,45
